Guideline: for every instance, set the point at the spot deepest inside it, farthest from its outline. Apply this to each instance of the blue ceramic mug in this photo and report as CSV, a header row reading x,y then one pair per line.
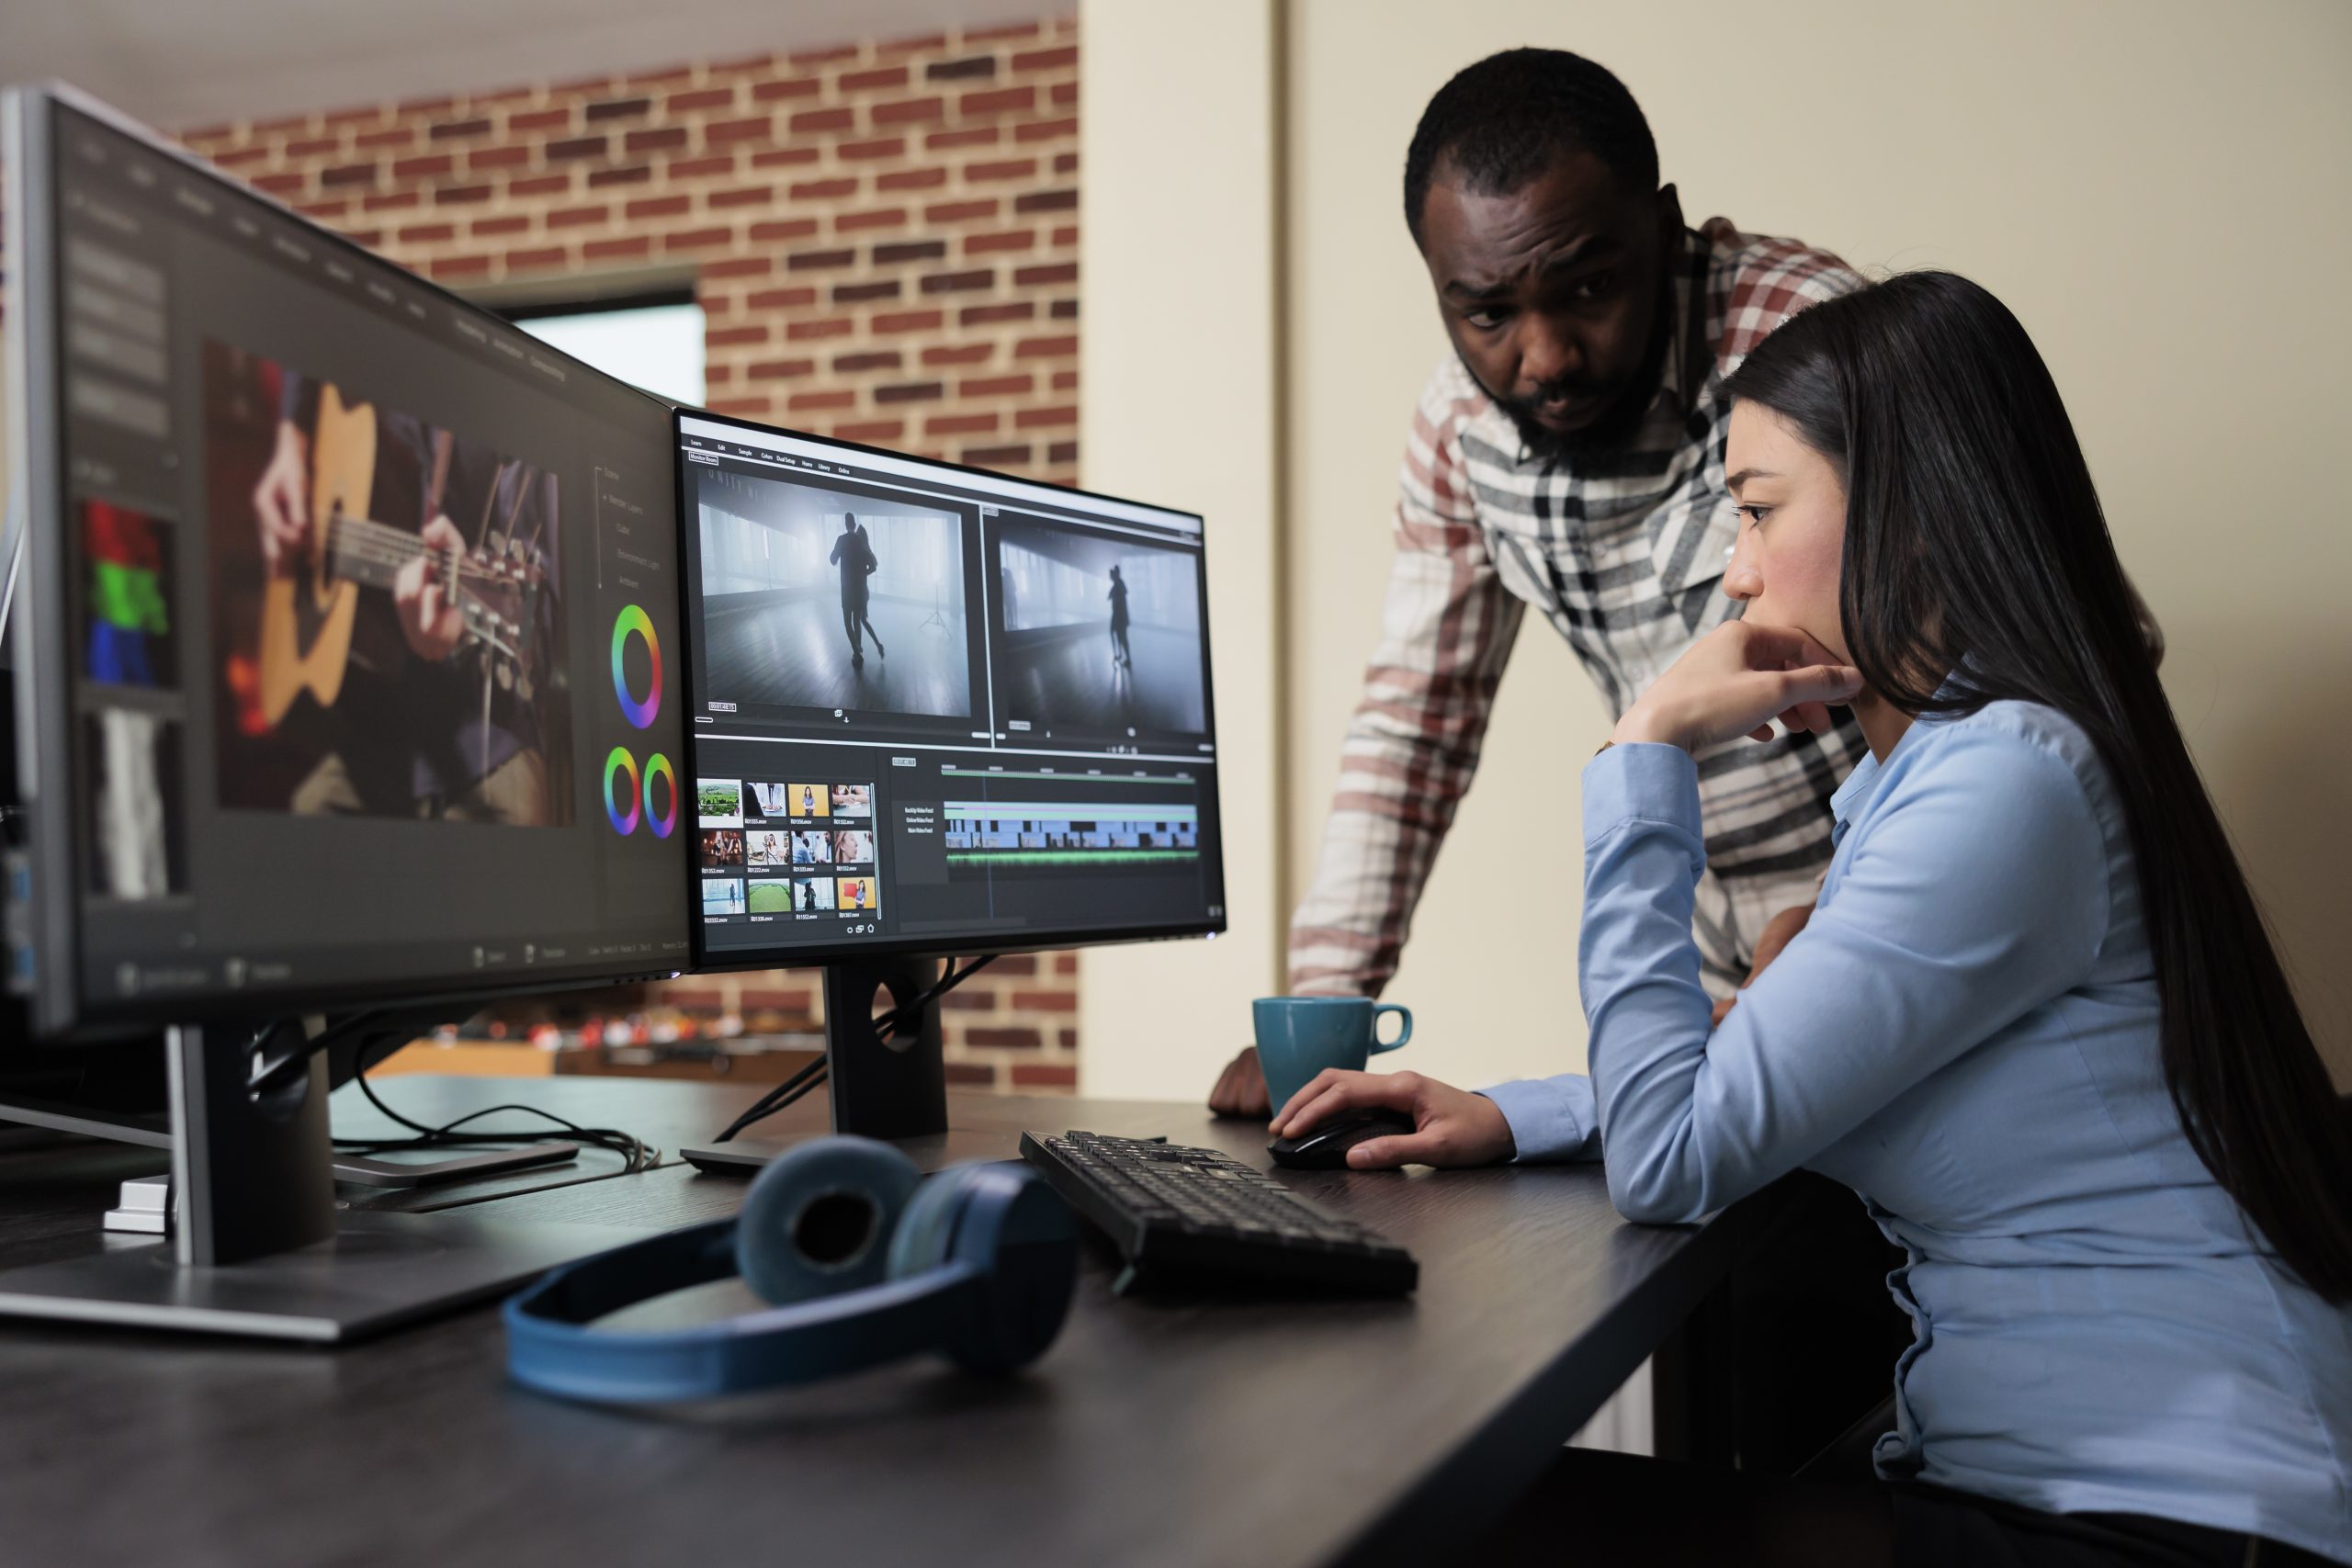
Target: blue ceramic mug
x,y
1300,1036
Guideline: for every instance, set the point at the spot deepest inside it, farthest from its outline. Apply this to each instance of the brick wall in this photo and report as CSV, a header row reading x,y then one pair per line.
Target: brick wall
x,y
884,235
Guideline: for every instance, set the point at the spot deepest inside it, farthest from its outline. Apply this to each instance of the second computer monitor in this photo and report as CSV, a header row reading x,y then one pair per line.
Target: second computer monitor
x,y
936,709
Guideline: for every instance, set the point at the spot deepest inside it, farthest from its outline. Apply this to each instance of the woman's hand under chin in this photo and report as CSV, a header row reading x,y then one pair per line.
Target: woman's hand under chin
x,y
1735,680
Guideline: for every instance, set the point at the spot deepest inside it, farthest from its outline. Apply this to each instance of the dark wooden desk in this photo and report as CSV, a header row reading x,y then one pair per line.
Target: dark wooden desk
x,y
1156,1431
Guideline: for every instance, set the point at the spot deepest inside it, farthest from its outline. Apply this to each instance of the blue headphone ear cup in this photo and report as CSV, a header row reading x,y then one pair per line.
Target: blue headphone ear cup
x,y
821,1218
1022,1241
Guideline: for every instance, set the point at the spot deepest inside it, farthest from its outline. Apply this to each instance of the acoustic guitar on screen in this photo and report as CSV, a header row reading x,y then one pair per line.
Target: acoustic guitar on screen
x,y
309,606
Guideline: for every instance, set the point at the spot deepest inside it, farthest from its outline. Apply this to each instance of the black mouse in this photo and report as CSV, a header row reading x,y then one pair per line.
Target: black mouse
x,y
1324,1146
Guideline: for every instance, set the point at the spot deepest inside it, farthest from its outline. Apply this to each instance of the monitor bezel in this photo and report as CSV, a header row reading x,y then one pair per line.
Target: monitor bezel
x,y
61,1009
813,954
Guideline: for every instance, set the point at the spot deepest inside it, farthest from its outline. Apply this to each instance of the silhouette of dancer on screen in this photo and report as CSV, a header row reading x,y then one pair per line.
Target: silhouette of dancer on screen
x,y
1119,620
853,553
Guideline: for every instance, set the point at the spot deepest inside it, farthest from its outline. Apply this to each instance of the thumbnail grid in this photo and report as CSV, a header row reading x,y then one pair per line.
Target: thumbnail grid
x,y
788,848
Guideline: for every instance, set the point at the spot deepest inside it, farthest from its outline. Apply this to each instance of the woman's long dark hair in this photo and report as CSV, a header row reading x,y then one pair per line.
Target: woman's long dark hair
x,y
1973,533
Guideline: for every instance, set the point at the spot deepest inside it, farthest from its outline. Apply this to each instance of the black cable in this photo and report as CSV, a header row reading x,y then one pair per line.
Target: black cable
x,y
638,1154
886,1026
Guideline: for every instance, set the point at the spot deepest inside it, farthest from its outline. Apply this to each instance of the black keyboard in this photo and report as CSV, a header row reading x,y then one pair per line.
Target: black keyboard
x,y
1179,1213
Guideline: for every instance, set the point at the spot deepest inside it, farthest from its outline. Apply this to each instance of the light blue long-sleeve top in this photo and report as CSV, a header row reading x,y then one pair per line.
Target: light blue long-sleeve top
x,y
1966,1034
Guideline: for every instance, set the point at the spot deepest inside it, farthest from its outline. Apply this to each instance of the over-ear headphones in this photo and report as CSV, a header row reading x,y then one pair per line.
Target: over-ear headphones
x,y
865,1261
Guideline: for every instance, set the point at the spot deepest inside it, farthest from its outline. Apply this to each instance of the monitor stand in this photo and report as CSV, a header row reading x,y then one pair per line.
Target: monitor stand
x,y
894,1089
261,1248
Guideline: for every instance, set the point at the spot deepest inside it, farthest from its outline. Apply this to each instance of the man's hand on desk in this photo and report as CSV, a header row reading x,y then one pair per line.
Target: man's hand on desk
x,y
1452,1126
1779,931
1241,1089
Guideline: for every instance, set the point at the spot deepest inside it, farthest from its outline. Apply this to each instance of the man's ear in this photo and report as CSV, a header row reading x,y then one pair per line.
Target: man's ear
x,y
1669,216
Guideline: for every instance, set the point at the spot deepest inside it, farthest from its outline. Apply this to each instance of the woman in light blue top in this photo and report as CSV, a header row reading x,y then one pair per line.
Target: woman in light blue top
x,y
2034,1020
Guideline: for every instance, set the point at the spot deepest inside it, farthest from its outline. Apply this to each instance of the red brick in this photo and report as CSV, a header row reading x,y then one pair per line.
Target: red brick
x,y
873,431
740,267
728,132
1052,272
539,185
617,108
830,326
372,238
625,174
1014,1039
1044,1075
1047,59
910,392
505,223
984,315
887,218
986,244
574,216
996,101
1046,1001
1039,418
345,174
824,190
780,229
1065,162
453,196
1065,234
312,147
578,147
1044,130
823,56
1062,452
995,456
911,179
514,155
1066,1038
962,354
1008,169
909,251
657,206
1044,347
995,387
971,1074
741,196
959,424
427,233
1046,201
811,261
459,129
391,200
906,320
739,406
786,87
1064,310
698,168
965,70
779,369
323,210
959,211
1064,963
547,256
242,157
872,359
910,111
832,398
725,337
974,1000
810,120
700,99
696,239
1013,964
1009,33
860,151
865,293
868,80
655,139
632,247
461,266
782,298
526,120
975,136
958,282
1065,94
783,157
717,375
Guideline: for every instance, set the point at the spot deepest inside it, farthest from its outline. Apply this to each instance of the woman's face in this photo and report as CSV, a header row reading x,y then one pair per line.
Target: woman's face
x,y
1791,528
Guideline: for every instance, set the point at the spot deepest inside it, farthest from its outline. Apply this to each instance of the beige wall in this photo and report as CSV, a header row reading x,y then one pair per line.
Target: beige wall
x,y
2162,191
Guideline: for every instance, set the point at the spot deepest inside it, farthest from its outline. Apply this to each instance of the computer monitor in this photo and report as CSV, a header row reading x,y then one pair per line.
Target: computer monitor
x,y
937,710
341,615
344,615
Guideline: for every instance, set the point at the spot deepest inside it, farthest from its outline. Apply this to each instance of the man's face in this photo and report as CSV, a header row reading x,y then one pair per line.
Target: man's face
x,y
1554,295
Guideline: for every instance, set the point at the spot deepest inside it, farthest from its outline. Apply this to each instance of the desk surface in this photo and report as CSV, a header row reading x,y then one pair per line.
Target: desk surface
x,y
1155,1430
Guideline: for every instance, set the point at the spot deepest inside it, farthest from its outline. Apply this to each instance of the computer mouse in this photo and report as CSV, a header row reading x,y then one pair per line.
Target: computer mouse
x,y
1324,1146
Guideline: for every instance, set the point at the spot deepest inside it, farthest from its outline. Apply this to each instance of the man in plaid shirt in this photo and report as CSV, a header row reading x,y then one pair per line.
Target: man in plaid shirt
x,y
1569,456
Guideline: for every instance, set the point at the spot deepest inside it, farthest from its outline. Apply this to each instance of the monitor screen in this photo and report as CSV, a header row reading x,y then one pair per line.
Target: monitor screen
x,y
937,709
349,609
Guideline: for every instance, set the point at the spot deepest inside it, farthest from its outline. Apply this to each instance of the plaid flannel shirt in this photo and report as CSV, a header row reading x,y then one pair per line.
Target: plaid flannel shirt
x,y
1625,557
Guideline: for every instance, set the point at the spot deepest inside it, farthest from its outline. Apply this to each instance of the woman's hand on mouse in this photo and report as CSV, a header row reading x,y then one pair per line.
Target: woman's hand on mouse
x,y
1452,1126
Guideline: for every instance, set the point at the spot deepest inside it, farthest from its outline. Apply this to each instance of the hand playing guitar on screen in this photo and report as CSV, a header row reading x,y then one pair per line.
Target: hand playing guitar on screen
x,y
430,617
282,500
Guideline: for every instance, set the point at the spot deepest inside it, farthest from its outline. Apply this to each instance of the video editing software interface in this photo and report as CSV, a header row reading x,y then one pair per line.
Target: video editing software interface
x,y
370,605
937,709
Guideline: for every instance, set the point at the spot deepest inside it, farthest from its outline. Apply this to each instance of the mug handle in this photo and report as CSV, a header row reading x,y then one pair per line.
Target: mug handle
x,y
1403,1034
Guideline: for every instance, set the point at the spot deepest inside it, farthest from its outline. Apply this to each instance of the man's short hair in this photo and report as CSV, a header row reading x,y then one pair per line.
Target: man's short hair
x,y
1499,123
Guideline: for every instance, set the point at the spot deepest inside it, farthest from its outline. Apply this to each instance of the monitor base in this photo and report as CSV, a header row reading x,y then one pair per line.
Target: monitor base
x,y
378,1272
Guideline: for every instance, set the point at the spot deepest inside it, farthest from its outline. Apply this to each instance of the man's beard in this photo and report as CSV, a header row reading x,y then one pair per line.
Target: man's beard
x,y
1613,430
